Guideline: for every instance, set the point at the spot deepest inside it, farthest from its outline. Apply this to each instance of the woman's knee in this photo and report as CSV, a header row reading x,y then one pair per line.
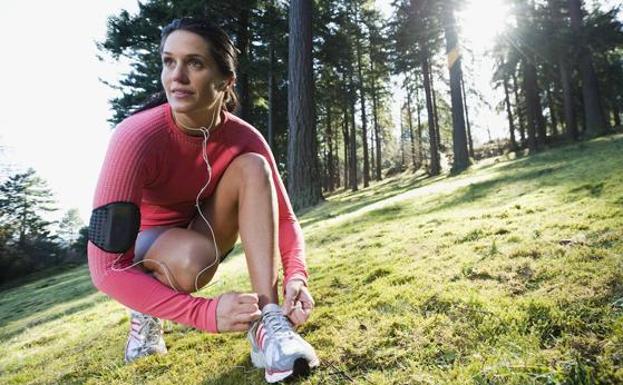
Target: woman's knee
x,y
196,259
252,167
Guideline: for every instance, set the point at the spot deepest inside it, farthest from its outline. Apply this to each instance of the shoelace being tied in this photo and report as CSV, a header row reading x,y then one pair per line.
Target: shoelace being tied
x,y
150,330
277,324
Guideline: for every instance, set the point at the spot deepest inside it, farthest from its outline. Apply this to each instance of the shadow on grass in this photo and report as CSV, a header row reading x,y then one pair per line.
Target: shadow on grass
x,y
557,167
25,301
360,199
553,168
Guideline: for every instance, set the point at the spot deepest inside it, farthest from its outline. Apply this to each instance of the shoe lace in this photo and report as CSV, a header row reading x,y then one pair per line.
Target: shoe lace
x,y
150,330
277,323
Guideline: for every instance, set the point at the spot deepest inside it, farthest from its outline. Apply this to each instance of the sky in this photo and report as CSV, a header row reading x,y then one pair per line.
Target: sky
x,y
54,110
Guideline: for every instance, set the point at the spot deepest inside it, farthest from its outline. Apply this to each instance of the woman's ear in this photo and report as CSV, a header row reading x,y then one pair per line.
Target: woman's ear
x,y
226,83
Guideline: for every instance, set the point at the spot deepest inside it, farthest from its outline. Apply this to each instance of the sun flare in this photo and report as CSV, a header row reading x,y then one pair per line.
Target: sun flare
x,y
481,20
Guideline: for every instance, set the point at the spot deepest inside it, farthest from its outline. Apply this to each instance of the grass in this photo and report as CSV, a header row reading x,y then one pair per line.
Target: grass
x,y
510,273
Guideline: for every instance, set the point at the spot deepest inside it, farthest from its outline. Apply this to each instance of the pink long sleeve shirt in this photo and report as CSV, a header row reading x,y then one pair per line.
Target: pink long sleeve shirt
x,y
153,164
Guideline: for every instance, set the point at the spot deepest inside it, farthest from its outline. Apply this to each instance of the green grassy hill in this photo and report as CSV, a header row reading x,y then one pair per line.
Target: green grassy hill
x,y
511,273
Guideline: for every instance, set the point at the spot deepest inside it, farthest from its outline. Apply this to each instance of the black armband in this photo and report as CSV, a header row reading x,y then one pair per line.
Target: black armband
x,y
114,227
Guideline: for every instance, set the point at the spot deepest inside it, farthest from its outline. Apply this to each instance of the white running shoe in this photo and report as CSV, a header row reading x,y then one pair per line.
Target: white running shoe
x,y
277,348
145,337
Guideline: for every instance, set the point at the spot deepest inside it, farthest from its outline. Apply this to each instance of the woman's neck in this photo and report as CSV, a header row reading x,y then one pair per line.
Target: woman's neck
x,y
191,124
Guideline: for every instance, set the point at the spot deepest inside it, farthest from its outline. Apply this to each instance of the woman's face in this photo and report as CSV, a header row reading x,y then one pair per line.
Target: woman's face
x,y
191,79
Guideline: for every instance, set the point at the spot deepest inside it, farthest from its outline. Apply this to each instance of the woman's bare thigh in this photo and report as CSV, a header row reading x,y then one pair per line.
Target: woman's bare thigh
x,y
186,251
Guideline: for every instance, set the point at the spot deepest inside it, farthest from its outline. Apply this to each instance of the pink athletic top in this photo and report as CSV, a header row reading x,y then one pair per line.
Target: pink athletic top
x,y
153,164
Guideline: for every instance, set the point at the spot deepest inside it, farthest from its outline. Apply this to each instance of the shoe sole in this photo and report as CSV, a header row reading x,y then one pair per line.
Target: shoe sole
x,y
301,368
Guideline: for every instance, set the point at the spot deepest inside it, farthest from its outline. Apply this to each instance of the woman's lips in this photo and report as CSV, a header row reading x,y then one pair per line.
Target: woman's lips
x,y
181,94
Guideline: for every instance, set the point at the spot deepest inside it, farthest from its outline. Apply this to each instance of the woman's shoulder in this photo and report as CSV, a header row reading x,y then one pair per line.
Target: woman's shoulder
x,y
148,125
244,131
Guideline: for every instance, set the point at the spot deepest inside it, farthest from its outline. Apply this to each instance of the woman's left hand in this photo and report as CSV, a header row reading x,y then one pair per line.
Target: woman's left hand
x,y
298,302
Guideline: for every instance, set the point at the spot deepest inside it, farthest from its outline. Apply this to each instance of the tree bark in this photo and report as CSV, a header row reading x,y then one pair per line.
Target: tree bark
x,y
435,166
459,135
470,142
410,120
377,140
595,121
353,139
519,111
271,94
509,112
532,103
330,169
303,177
345,133
419,128
244,60
435,111
552,111
364,119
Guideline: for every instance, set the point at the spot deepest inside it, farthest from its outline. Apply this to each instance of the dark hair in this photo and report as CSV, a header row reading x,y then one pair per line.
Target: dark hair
x,y
222,50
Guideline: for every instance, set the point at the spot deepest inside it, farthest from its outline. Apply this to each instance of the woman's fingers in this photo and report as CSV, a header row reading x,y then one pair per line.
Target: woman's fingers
x,y
298,317
235,311
247,317
241,326
250,298
248,308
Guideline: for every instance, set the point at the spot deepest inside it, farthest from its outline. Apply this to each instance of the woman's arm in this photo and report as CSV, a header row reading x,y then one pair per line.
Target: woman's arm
x,y
291,241
127,168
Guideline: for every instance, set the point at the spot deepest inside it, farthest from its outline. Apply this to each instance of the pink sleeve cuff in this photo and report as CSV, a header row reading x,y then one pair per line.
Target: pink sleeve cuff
x,y
212,324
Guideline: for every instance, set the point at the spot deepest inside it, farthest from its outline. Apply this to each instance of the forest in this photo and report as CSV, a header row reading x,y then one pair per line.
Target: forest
x,y
320,84
458,229
559,64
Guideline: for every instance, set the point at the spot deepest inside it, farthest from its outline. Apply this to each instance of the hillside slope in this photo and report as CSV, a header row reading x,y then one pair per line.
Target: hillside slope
x,y
511,273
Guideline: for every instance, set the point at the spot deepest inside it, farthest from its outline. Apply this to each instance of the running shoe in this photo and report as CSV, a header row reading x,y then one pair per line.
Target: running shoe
x,y
277,348
145,337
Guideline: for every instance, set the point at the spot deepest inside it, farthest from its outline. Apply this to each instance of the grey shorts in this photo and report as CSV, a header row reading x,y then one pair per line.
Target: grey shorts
x,y
147,237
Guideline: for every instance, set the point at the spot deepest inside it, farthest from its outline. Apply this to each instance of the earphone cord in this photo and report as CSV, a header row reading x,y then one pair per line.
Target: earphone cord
x,y
206,136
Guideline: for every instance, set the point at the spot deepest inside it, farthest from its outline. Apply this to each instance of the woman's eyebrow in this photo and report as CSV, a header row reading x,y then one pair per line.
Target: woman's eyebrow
x,y
192,55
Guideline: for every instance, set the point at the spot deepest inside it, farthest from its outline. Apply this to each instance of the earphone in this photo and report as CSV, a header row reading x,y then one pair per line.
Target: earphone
x,y
206,136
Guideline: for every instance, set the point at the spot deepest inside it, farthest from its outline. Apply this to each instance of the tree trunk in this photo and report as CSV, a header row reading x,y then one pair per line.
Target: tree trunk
x,y
375,114
419,128
303,179
595,121
271,94
330,169
552,111
345,133
402,139
336,167
470,142
616,114
532,103
435,111
459,136
411,136
509,112
364,119
520,112
571,124
244,60
434,167
353,140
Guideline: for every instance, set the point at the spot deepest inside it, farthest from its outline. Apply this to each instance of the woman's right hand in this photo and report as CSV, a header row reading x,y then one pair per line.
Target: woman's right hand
x,y
236,311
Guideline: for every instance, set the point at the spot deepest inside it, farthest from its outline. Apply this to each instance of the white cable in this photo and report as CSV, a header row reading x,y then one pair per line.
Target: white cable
x,y
206,136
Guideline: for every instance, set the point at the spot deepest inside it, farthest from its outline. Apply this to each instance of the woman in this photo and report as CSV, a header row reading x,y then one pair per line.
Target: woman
x,y
149,248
